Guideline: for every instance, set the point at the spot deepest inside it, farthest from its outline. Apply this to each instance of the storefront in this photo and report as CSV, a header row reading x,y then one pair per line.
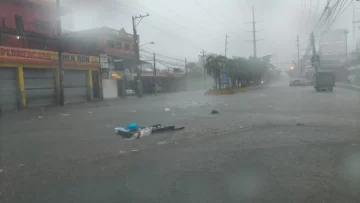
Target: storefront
x,y
40,86
30,78
111,79
8,88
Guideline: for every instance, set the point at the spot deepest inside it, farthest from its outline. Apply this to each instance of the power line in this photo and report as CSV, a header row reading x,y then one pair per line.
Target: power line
x,y
164,56
309,10
340,13
332,11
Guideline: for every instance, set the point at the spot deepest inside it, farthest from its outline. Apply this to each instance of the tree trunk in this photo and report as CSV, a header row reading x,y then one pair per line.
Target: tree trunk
x,y
219,81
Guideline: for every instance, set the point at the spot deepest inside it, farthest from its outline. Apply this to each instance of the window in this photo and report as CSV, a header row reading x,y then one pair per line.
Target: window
x,y
127,46
110,43
41,25
19,23
118,45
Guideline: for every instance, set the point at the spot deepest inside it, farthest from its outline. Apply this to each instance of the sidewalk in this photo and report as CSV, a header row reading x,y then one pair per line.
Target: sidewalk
x,y
348,86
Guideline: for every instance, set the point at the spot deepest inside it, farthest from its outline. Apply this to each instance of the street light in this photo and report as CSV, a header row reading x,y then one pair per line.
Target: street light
x,y
146,44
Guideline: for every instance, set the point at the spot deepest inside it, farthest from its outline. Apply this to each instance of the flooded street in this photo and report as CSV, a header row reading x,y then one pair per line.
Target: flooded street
x,y
273,142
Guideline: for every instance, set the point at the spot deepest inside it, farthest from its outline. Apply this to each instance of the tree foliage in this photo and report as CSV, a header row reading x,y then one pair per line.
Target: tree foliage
x,y
242,71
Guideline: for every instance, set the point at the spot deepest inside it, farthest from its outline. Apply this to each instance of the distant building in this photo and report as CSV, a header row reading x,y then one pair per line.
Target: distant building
x,y
116,48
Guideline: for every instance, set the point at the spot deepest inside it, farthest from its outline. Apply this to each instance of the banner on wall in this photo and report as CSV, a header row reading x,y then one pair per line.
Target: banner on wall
x,y
21,55
40,56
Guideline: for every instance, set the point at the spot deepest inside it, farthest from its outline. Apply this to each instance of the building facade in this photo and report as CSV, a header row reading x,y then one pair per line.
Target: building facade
x,y
118,63
29,73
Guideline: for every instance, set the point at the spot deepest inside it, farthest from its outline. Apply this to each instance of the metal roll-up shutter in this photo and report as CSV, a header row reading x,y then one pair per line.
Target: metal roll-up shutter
x,y
8,89
39,86
75,85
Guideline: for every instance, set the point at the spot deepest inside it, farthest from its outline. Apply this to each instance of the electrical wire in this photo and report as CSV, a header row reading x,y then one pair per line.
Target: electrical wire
x,y
309,11
340,13
333,11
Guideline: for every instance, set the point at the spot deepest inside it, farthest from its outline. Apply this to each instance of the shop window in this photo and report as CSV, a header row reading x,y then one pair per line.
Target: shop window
x,y
118,45
110,43
41,25
19,24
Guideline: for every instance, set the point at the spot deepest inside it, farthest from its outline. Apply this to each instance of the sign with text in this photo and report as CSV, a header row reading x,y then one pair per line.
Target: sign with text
x,y
81,59
10,54
225,77
26,55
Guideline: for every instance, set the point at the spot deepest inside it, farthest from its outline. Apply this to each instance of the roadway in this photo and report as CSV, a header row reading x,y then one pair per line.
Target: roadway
x,y
270,144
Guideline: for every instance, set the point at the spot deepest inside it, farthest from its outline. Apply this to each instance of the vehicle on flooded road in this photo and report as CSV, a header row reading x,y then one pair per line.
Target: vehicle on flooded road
x,y
324,80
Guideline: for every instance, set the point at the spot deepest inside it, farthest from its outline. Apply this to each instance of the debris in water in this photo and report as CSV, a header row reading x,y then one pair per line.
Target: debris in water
x,y
161,143
214,112
134,150
90,112
133,111
122,152
1,170
64,114
300,124
167,109
241,126
40,117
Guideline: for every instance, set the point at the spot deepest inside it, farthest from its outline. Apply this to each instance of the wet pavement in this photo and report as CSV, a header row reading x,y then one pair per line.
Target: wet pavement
x,y
269,144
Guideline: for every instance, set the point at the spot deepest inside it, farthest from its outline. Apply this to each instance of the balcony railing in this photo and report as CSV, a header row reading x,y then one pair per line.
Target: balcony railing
x,y
33,28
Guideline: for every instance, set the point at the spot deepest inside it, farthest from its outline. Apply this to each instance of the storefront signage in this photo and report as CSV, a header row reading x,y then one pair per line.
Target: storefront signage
x,y
81,59
111,75
26,54
45,57
115,75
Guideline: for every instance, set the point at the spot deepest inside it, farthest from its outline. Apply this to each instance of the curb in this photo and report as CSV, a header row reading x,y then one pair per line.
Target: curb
x,y
348,86
232,91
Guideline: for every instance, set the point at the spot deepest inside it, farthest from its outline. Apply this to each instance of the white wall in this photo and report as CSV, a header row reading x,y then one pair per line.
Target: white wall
x,y
109,88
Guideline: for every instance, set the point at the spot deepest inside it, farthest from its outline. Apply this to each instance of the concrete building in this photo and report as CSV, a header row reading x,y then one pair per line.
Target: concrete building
x,y
118,63
29,73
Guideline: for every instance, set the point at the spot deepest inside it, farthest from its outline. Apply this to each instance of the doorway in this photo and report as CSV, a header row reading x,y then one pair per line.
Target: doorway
x,y
96,84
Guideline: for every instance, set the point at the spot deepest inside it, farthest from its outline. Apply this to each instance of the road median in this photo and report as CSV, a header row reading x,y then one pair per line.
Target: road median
x,y
231,90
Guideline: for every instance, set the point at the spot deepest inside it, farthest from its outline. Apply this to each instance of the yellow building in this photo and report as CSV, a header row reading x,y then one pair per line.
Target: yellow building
x,y
30,78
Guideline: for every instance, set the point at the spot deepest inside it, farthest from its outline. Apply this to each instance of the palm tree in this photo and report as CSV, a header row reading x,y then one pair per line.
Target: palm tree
x,y
213,66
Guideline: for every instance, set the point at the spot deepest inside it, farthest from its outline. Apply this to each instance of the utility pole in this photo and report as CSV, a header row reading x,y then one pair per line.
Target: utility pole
x,y
186,74
315,58
203,62
154,72
254,32
254,40
226,49
298,55
137,52
226,44
185,67
354,19
60,65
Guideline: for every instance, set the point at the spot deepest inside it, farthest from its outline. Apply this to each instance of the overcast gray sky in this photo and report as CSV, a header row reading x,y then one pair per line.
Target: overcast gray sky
x,y
183,28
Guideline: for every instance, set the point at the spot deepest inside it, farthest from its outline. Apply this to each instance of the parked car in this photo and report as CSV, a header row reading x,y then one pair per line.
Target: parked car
x,y
300,83
130,92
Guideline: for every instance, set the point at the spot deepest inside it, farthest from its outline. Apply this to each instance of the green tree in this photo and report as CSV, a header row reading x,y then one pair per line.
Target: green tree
x,y
213,66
